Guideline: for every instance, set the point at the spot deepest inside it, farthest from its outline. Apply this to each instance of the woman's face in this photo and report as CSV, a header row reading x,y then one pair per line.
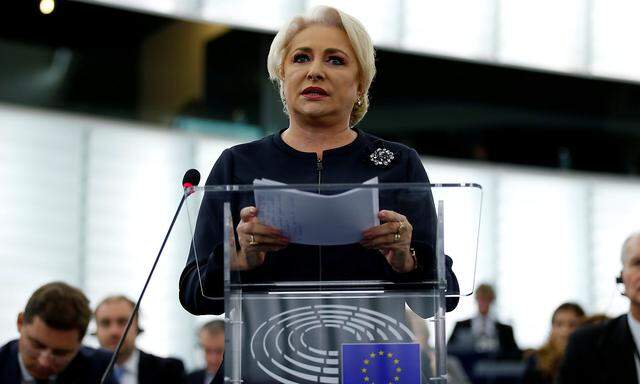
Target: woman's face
x,y
563,325
320,75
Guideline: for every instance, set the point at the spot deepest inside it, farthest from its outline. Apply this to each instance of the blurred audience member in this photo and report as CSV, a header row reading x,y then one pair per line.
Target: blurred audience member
x,y
542,366
595,319
483,333
608,352
455,371
49,349
133,366
211,337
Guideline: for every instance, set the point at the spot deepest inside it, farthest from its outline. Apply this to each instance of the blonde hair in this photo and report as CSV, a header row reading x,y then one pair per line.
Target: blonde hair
x,y
358,37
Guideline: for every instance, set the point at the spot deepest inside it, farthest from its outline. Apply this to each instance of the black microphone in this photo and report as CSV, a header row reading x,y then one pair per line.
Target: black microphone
x,y
189,181
619,282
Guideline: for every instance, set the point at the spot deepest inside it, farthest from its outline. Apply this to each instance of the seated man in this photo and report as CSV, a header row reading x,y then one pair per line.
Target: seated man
x,y
133,366
211,338
49,349
607,351
483,333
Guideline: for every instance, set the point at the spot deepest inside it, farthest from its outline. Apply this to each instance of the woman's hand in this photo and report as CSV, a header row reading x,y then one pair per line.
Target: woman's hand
x,y
256,240
393,239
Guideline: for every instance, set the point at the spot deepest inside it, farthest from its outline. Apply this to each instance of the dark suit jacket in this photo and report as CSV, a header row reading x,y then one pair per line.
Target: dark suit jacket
x,y
508,348
601,353
86,367
158,370
197,377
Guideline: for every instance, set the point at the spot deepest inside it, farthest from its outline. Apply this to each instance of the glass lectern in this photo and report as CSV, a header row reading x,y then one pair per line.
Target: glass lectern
x,y
328,307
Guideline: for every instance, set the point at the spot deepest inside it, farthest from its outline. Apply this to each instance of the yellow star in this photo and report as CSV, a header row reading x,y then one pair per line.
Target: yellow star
x,y
366,378
396,361
372,355
364,370
398,369
396,378
366,361
381,352
389,355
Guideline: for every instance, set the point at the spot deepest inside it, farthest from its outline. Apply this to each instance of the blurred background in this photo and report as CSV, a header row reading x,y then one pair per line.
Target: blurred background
x,y
104,104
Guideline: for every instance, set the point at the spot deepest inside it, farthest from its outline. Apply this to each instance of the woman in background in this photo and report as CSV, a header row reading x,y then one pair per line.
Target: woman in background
x,y
543,365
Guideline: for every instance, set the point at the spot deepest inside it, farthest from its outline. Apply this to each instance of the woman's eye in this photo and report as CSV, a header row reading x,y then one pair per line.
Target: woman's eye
x,y
336,60
301,58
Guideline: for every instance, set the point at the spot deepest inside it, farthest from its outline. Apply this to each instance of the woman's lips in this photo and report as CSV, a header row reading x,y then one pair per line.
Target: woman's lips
x,y
314,93
313,96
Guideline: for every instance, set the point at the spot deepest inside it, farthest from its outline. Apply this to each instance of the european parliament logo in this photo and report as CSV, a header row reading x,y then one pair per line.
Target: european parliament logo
x,y
381,363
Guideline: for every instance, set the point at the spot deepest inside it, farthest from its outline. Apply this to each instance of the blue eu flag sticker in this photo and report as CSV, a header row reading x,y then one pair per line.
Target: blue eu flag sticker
x,y
381,363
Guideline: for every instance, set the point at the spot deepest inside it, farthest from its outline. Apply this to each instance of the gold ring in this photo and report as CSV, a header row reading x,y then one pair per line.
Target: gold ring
x,y
400,227
396,237
252,240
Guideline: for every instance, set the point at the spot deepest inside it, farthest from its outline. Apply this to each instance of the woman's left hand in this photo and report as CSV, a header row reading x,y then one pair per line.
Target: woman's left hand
x,y
393,239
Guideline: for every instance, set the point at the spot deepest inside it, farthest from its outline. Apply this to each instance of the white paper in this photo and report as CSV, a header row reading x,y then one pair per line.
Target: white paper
x,y
314,219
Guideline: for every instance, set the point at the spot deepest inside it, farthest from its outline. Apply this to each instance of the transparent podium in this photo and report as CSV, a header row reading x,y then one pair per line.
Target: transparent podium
x,y
337,301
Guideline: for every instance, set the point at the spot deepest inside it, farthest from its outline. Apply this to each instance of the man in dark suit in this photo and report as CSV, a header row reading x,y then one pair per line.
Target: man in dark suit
x,y
483,333
133,366
49,349
608,352
211,337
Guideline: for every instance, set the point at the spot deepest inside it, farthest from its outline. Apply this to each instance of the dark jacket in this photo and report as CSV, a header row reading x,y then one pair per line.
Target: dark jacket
x,y
87,366
158,370
507,346
599,354
197,377
271,158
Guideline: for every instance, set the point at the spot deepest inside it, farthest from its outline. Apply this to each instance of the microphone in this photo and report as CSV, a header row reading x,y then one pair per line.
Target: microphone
x,y
620,282
189,182
191,178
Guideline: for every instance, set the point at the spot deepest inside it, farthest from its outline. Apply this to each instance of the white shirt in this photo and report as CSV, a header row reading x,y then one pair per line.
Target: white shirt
x,y
483,325
26,376
634,326
130,369
483,329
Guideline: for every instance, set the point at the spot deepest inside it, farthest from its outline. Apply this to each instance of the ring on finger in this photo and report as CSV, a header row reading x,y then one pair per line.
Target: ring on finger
x,y
400,227
252,240
396,237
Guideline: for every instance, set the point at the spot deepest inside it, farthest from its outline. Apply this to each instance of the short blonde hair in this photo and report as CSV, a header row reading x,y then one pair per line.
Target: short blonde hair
x,y
358,37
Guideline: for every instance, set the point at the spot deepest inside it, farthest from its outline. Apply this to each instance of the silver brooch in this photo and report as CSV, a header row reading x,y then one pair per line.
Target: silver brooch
x,y
381,157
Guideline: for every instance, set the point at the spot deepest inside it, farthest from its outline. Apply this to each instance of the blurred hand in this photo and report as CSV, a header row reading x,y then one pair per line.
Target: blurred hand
x,y
393,239
256,240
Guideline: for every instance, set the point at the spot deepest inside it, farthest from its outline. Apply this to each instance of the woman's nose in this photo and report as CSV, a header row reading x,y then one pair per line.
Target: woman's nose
x,y
315,71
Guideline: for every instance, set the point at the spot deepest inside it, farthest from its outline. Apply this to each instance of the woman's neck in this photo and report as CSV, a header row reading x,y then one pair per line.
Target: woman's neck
x,y
308,138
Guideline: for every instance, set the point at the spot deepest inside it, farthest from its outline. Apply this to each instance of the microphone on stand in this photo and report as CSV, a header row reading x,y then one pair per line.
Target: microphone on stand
x,y
190,179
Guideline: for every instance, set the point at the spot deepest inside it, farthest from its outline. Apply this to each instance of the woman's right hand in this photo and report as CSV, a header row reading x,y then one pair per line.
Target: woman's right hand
x,y
256,240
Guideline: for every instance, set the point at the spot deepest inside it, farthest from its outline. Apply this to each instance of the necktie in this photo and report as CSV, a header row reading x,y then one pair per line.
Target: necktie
x,y
117,373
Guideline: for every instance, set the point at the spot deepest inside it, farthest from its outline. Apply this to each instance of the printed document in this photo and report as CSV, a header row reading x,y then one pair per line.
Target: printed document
x,y
314,219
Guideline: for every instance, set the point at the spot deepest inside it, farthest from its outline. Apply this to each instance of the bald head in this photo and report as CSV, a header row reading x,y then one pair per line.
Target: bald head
x,y
630,246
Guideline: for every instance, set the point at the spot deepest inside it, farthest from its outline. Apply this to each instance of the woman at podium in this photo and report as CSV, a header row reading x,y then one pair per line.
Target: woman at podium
x,y
323,65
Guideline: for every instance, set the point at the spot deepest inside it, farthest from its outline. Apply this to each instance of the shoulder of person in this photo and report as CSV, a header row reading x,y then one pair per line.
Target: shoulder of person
x,y
160,360
252,146
374,142
595,334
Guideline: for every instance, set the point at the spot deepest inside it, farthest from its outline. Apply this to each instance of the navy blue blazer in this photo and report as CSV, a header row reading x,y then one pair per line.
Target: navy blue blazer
x,y
272,158
87,366
600,354
157,370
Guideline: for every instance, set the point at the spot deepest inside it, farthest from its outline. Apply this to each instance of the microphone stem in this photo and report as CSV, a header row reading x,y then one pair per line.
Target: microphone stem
x,y
114,357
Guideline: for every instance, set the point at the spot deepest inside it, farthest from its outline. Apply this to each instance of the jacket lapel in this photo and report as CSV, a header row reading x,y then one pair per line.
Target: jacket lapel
x,y
617,352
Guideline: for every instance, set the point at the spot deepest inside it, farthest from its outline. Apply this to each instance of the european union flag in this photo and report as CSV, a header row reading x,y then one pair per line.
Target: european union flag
x,y
381,363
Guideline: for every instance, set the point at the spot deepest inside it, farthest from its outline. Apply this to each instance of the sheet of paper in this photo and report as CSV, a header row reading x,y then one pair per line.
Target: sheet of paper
x,y
314,219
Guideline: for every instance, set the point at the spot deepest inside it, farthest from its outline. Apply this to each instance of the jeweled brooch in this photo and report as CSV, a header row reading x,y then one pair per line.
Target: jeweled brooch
x,y
381,157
